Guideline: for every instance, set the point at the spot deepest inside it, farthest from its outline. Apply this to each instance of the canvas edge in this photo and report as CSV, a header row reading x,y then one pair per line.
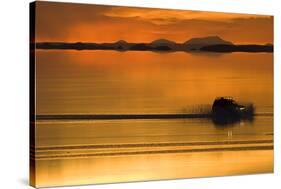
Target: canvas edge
x,y
32,163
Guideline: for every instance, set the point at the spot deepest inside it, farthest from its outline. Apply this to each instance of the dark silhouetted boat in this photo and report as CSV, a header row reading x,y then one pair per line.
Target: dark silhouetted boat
x,y
225,110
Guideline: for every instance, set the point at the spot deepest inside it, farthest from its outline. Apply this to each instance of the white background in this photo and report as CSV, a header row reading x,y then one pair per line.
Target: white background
x,y
14,73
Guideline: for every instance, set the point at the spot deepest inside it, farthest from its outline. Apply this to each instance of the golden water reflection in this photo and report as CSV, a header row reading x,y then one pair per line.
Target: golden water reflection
x,y
103,82
152,167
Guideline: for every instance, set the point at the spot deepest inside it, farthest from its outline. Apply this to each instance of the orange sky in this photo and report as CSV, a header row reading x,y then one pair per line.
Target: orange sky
x,y
70,22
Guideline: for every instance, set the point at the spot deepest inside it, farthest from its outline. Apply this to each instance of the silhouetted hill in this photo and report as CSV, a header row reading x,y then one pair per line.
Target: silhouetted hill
x,y
120,45
197,43
210,40
162,42
121,42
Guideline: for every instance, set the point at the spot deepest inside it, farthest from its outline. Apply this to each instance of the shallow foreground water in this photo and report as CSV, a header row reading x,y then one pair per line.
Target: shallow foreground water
x,y
79,152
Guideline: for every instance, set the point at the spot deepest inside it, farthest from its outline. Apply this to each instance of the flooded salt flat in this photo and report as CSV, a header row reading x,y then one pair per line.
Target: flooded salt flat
x,y
98,151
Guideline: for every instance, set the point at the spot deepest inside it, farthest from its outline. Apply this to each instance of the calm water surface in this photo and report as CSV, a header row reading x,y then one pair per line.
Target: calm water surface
x,y
84,82
107,82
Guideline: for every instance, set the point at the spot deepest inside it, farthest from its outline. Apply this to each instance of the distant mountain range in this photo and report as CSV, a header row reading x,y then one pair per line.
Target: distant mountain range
x,y
210,44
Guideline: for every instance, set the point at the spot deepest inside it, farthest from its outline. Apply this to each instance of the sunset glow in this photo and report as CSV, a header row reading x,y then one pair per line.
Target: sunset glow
x,y
97,23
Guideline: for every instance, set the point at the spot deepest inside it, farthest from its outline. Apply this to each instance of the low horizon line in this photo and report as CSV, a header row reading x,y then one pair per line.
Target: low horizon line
x,y
116,41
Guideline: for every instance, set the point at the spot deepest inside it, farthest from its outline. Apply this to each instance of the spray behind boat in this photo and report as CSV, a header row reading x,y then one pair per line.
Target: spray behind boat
x,y
223,111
